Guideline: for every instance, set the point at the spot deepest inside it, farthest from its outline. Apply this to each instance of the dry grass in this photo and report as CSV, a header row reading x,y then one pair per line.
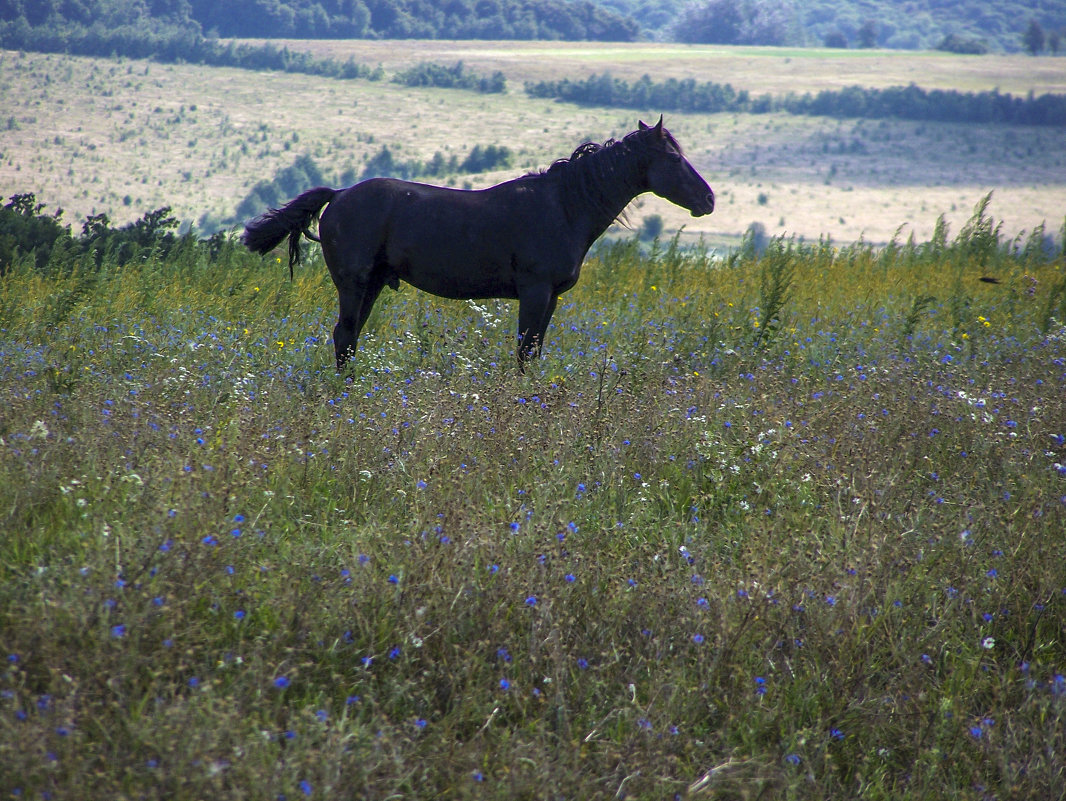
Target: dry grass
x,y
758,69
124,137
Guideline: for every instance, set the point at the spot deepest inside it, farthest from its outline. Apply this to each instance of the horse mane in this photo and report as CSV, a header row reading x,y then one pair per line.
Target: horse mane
x,y
592,165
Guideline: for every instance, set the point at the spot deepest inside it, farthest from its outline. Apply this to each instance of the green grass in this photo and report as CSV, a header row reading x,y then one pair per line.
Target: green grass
x,y
678,557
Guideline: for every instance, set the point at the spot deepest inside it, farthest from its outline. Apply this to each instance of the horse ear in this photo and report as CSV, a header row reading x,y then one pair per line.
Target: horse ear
x,y
659,126
641,126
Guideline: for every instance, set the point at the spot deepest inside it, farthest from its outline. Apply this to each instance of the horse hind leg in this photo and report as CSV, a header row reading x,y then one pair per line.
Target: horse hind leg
x,y
356,301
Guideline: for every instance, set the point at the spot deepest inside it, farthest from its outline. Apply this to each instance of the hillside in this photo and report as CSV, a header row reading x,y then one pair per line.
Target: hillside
x,y
895,24
971,26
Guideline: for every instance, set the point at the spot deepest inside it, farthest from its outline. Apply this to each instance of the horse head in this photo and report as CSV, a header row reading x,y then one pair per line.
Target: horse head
x,y
670,176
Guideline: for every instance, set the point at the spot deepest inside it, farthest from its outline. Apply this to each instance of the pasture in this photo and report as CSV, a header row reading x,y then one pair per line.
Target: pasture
x,y
777,527
123,137
777,524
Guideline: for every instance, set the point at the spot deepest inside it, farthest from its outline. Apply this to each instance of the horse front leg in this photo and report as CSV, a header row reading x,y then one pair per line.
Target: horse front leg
x,y
535,308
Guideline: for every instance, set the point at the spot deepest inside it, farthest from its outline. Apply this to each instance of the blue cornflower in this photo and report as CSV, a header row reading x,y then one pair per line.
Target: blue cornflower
x,y
420,723
504,684
531,600
793,759
760,685
118,631
582,663
305,787
393,579
394,653
239,614
322,715
514,528
281,682
697,638
569,578
992,573
836,734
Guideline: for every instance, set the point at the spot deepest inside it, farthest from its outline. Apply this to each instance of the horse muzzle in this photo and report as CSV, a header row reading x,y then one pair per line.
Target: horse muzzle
x,y
705,206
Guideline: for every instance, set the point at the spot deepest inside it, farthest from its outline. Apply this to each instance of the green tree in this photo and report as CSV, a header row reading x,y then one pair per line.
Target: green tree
x,y
868,34
1034,37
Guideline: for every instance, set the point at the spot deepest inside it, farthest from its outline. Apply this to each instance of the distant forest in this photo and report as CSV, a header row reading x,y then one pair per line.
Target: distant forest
x,y
322,19
971,26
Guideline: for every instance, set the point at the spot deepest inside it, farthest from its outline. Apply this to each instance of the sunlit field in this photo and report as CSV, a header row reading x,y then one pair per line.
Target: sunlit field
x,y
783,525
123,137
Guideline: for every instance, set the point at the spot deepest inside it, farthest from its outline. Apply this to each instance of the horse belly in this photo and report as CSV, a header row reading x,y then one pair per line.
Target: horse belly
x,y
462,261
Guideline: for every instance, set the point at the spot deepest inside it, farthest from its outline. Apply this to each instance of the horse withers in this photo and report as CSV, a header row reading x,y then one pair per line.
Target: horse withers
x,y
523,239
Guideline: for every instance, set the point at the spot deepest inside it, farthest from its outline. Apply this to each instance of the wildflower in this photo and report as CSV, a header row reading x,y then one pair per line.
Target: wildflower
x,y
322,715
927,660
239,614
760,685
582,663
118,631
569,578
305,787
698,639
514,528
504,684
988,643
393,579
836,734
420,723
281,682
531,600
793,759
992,573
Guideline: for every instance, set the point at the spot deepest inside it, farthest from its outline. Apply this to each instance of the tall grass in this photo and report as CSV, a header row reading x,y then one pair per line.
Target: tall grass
x,y
678,558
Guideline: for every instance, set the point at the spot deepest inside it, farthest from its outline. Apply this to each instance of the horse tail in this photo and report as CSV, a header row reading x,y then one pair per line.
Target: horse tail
x,y
292,220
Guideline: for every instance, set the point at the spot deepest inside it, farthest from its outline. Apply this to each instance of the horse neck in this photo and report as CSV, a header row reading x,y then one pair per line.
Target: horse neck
x,y
600,185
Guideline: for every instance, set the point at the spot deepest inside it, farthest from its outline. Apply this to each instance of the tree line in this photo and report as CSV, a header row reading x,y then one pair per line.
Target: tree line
x,y
28,231
374,19
910,102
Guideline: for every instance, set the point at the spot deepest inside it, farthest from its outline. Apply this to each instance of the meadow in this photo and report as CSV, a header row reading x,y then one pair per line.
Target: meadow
x,y
786,524
122,137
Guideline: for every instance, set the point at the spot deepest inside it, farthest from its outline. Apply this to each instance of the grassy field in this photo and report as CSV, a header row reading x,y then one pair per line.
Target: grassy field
x,y
779,527
125,137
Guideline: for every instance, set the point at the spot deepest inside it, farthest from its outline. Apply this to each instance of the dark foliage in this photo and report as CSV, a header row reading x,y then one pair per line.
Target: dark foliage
x,y
385,19
428,74
901,24
26,231
910,102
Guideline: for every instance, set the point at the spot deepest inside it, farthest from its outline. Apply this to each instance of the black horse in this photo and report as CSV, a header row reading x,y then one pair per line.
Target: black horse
x,y
523,239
